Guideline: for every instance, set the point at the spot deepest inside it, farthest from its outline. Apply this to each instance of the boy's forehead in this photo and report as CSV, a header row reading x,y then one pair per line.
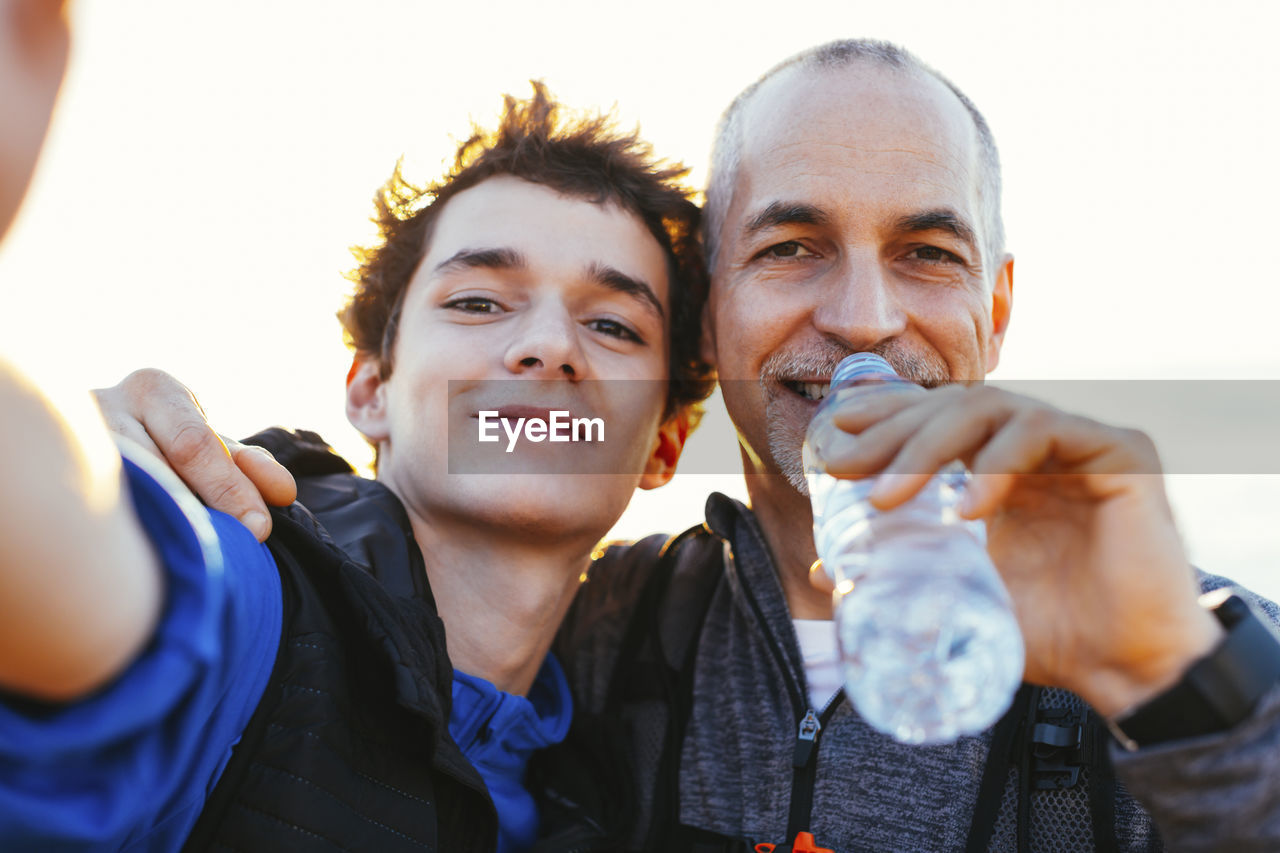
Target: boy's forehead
x,y
545,227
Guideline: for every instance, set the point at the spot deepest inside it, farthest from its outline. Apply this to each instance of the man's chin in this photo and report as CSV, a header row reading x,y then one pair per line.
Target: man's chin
x,y
788,415
789,459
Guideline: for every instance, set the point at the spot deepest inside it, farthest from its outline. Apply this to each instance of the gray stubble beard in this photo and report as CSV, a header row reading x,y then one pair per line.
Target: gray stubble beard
x,y
785,437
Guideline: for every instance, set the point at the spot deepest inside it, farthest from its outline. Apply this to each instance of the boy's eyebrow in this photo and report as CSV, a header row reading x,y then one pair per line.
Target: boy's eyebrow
x,y
494,259
615,279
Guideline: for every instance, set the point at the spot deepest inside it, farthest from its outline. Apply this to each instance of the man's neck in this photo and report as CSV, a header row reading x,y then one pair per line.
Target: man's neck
x,y
787,521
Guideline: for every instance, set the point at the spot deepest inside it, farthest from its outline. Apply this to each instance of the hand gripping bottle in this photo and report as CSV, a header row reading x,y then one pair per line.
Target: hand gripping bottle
x,y
928,641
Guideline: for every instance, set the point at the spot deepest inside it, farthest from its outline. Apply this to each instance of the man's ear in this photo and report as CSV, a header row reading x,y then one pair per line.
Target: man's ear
x,y
667,447
1001,309
366,399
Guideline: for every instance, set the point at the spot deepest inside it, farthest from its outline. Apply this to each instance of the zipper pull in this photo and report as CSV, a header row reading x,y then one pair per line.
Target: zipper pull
x,y
806,739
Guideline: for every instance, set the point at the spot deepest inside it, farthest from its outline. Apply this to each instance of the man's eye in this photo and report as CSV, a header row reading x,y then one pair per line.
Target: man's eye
x,y
933,254
474,305
788,249
614,329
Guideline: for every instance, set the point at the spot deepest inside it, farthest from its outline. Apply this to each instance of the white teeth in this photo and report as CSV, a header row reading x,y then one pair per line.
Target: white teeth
x,y
813,390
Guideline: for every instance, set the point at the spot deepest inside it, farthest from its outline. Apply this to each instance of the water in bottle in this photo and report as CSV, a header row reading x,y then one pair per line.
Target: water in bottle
x,y
929,644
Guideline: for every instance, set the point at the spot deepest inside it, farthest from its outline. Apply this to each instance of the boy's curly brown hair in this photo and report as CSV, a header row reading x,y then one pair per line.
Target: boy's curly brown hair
x,y
583,156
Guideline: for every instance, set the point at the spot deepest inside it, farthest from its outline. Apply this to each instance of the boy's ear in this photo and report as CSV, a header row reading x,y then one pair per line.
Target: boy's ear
x,y
366,399
667,447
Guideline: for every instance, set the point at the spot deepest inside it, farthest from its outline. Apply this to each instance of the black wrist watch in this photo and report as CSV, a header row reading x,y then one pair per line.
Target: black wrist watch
x,y
1219,690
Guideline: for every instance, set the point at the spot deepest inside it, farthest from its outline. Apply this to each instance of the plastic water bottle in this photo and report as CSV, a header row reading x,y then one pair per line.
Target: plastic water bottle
x,y
928,641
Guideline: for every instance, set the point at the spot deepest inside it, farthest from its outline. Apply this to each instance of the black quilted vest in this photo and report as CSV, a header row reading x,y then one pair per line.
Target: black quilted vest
x,y
349,748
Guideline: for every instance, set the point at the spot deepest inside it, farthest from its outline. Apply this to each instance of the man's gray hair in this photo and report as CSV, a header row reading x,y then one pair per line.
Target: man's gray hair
x,y
726,155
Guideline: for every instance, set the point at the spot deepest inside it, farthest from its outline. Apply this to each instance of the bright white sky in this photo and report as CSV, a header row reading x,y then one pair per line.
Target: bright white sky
x,y
211,163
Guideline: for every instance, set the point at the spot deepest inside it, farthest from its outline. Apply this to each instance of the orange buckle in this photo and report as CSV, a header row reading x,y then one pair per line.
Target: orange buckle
x,y
804,843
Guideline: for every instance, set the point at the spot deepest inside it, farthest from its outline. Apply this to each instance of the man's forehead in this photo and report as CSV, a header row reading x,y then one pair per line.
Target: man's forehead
x,y
860,120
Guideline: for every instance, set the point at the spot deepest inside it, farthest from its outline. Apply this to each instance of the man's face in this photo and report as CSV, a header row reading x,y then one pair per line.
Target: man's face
x,y
854,225
523,300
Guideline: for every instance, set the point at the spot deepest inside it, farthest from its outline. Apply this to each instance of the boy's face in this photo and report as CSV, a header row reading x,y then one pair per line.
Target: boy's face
x,y
33,57
525,300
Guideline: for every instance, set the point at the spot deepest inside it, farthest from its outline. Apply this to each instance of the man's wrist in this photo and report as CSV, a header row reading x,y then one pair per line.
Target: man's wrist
x,y
1217,691
1170,647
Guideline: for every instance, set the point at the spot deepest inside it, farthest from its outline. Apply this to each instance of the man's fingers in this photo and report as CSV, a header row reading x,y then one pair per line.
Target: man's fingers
x,y
161,414
877,443
1046,441
204,463
859,412
985,493
819,579
125,426
953,427
273,480
169,413
997,434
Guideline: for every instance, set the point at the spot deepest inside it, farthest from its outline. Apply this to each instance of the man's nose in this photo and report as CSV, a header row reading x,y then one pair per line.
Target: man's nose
x,y
858,307
546,346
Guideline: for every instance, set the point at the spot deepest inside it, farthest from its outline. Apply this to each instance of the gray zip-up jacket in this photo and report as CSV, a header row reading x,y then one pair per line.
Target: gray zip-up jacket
x,y
736,774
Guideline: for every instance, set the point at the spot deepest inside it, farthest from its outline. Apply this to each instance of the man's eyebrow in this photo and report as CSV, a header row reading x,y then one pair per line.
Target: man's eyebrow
x,y
493,259
615,279
942,219
786,213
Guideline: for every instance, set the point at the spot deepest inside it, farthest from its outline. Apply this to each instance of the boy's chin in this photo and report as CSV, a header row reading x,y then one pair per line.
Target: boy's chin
x,y
543,505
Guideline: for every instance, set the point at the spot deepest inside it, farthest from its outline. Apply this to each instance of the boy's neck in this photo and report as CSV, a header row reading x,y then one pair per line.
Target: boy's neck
x,y
501,593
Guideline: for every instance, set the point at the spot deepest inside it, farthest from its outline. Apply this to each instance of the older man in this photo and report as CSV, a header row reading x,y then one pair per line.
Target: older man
x,y
854,205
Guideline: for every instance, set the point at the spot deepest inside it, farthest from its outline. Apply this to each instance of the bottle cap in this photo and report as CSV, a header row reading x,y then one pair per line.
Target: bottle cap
x,y
860,366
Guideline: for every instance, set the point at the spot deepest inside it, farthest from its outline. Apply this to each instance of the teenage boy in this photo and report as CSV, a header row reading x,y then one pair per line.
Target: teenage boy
x,y
167,680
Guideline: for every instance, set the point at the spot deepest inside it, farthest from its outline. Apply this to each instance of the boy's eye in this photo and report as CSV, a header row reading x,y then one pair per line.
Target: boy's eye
x,y
474,305
614,329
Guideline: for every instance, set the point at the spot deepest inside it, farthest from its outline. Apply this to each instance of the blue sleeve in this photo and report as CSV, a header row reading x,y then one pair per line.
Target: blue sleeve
x,y
131,765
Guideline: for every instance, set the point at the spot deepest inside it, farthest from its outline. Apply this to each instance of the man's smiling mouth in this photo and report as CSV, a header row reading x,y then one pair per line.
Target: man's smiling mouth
x,y
816,391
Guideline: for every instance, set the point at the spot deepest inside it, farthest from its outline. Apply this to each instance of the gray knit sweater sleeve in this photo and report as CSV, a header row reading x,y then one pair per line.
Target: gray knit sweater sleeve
x,y
1219,792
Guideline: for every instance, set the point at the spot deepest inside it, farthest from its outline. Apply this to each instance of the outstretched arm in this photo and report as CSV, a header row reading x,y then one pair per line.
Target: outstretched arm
x,y
80,588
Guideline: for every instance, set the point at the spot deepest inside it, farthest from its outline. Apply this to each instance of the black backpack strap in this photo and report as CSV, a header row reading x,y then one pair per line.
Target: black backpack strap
x,y
666,793
996,773
655,661
1102,787
1049,748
